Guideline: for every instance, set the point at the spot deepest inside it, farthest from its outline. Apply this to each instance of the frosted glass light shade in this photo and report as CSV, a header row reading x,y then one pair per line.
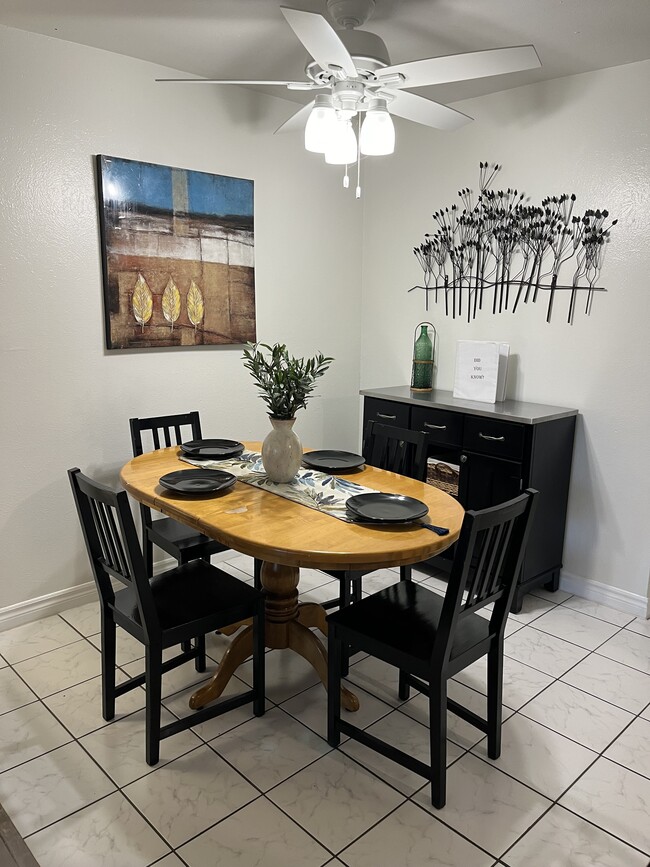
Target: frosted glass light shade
x,y
377,131
320,125
342,148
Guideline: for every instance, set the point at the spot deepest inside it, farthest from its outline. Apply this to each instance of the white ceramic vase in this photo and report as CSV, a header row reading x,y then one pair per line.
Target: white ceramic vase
x,y
281,451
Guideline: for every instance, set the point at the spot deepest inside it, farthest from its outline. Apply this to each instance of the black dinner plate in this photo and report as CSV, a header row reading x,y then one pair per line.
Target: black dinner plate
x,y
386,508
197,481
331,461
212,449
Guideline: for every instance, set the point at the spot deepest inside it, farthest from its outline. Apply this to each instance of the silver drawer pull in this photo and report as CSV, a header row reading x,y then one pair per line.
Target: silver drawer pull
x,y
492,439
383,415
435,426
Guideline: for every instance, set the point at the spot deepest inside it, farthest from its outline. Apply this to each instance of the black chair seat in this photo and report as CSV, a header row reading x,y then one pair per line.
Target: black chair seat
x,y
170,535
404,619
190,593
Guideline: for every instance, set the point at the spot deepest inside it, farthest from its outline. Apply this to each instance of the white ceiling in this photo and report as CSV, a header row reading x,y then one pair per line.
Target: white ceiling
x,y
251,39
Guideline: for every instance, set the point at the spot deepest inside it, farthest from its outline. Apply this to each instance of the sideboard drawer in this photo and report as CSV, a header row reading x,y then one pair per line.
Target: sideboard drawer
x,y
386,412
494,437
442,426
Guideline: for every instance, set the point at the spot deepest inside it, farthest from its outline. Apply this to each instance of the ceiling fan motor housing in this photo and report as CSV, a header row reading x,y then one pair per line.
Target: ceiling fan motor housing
x,y
366,49
368,52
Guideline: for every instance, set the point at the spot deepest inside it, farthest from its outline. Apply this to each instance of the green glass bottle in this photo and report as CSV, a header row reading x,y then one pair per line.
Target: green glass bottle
x,y
422,375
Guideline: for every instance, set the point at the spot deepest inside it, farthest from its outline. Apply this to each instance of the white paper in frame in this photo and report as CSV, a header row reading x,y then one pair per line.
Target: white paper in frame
x,y
481,370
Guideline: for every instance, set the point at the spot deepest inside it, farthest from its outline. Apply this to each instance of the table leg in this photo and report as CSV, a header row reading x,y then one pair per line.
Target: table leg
x,y
304,642
287,625
239,651
312,614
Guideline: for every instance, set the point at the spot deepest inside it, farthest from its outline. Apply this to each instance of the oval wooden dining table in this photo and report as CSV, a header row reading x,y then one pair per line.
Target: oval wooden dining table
x,y
286,535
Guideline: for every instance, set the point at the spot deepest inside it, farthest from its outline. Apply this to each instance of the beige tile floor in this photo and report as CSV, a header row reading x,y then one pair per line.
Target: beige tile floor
x,y
571,789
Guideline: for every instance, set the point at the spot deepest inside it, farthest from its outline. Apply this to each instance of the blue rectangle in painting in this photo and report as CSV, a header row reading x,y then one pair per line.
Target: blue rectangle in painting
x,y
137,183
219,195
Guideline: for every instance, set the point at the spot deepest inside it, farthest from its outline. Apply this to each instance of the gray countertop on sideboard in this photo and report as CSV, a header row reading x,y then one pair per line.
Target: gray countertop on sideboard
x,y
510,410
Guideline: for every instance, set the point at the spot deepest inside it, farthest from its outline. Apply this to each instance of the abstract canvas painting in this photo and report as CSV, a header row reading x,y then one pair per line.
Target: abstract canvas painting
x,y
178,256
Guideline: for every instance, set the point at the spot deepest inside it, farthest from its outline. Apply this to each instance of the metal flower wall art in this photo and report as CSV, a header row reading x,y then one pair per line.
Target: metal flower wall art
x,y
500,251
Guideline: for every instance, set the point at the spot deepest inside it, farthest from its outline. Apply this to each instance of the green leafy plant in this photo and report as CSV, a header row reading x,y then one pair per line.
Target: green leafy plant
x,y
285,383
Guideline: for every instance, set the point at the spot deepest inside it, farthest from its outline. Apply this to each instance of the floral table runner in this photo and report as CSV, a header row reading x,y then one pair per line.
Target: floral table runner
x,y
310,488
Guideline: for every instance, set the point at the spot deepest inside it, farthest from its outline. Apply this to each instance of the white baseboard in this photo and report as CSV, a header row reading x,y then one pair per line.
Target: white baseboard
x,y
595,591
71,597
62,600
43,606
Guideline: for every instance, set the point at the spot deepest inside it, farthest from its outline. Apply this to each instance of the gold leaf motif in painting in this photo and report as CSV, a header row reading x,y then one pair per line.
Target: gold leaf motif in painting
x,y
142,302
195,305
171,303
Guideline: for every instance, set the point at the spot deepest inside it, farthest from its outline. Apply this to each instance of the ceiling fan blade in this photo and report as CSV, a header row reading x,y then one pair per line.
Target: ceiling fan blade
x,y
460,67
320,39
425,111
292,85
296,121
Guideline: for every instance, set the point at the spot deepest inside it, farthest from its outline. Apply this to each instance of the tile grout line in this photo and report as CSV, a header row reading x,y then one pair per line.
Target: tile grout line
x,y
388,712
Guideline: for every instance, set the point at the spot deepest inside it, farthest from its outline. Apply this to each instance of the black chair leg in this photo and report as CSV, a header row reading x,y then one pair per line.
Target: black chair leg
x,y
153,685
438,741
186,646
259,647
403,690
345,595
405,573
147,553
494,700
199,660
108,664
257,574
334,646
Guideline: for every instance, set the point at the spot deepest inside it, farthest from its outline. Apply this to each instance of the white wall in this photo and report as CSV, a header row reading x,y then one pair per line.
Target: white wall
x,y
65,400
586,134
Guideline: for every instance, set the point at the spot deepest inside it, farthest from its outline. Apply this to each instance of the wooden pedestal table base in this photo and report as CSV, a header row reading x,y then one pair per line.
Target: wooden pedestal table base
x,y
287,625
309,614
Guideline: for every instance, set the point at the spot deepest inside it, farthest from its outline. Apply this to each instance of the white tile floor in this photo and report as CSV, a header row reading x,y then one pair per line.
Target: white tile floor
x,y
571,789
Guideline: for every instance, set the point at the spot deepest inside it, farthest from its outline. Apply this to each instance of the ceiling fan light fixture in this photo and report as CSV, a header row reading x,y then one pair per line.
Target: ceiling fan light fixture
x,y
321,125
377,137
342,147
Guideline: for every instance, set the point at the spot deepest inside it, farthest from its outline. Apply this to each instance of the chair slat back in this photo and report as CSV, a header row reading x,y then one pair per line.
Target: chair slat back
x,y
163,431
396,449
112,544
486,567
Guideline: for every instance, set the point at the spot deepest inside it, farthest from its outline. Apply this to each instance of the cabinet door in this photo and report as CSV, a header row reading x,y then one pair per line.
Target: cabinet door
x,y
486,481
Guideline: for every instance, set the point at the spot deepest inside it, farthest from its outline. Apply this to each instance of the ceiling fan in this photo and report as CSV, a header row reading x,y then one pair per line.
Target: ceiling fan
x,y
353,69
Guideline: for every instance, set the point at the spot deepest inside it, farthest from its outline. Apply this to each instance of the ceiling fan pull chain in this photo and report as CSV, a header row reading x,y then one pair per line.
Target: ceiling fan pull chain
x,y
358,189
346,177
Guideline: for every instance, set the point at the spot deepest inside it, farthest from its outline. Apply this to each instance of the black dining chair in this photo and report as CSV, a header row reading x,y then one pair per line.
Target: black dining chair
x,y
429,638
400,451
181,542
176,607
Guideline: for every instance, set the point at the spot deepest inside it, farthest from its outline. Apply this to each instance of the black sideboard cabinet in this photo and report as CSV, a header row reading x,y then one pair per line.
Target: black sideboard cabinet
x,y
501,449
